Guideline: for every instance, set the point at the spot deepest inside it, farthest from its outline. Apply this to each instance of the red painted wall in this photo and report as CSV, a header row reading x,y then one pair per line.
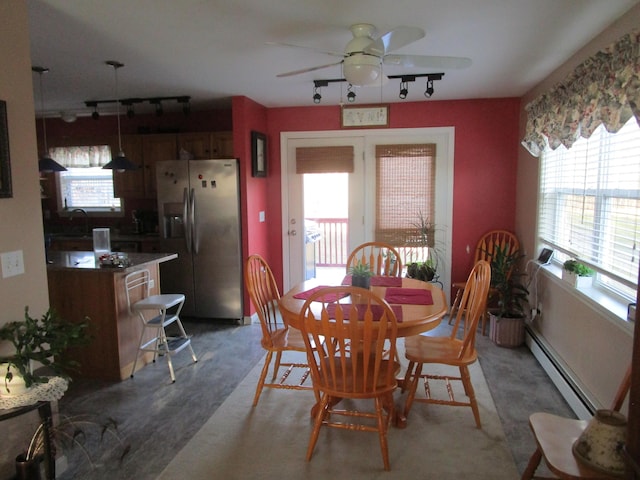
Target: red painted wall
x,y
486,142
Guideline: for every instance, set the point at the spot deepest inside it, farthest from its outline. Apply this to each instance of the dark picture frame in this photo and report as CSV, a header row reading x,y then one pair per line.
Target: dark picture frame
x,y
258,154
5,162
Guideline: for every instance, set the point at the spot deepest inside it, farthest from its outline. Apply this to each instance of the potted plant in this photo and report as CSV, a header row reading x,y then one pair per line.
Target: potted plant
x,y
82,432
360,275
423,238
577,274
508,298
42,340
425,271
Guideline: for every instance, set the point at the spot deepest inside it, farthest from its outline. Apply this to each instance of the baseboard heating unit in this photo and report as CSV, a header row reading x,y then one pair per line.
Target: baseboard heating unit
x,y
560,374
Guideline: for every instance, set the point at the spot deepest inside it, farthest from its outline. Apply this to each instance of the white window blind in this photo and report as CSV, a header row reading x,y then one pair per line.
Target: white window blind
x,y
85,184
590,203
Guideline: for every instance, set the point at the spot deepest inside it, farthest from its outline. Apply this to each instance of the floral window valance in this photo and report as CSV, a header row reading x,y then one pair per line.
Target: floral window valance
x,y
82,157
604,89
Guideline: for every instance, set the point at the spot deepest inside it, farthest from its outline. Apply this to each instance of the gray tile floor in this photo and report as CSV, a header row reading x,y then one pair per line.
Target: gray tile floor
x,y
157,418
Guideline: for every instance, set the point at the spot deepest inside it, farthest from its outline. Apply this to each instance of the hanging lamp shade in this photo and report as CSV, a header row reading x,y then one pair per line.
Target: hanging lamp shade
x,y
120,163
46,164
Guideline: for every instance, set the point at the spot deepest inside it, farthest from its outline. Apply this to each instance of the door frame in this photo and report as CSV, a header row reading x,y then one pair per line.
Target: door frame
x,y
443,137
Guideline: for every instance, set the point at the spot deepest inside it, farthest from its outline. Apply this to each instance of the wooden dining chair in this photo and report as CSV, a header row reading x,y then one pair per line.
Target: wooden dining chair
x,y
340,371
485,250
382,258
277,337
457,349
556,435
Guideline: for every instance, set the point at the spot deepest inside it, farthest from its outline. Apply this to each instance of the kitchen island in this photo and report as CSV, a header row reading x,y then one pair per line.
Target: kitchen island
x,y
79,289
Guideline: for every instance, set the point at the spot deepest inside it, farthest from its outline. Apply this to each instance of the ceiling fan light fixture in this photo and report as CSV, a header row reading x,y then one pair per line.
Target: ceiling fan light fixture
x,y
360,69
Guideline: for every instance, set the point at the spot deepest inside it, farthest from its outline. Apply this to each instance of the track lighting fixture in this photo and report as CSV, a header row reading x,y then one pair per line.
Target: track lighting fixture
x,y
404,90
351,95
429,90
404,85
45,163
95,115
317,84
119,163
130,103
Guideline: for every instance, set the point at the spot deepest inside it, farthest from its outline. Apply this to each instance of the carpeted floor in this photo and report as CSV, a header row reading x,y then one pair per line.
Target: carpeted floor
x,y
157,418
270,441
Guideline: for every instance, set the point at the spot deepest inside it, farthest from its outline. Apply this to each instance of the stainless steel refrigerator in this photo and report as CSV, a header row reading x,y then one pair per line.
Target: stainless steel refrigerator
x,y
199,219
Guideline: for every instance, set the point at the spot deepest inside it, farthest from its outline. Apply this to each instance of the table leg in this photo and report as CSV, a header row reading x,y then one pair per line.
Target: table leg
x,y
44,409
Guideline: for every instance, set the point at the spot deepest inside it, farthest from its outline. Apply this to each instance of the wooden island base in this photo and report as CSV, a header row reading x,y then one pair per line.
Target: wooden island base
x,y
80,288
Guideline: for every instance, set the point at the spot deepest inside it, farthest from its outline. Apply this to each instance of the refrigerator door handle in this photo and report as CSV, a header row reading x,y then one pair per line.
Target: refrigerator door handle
x,y
194,223
185,219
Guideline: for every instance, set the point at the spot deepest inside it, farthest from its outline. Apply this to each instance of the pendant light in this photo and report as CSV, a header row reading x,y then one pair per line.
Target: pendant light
x,y
120,163
46,164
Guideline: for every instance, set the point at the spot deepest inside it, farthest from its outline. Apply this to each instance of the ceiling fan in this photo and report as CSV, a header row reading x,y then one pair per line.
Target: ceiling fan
x,y
364,55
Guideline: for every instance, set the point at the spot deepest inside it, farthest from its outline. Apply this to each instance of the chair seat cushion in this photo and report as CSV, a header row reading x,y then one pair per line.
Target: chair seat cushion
x,y
425,349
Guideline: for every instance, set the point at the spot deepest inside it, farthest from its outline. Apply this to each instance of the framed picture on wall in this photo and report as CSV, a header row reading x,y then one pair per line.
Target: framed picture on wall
x,y
5,162
258,154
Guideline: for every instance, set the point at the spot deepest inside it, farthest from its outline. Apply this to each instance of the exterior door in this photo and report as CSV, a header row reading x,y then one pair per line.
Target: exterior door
x,y
295,253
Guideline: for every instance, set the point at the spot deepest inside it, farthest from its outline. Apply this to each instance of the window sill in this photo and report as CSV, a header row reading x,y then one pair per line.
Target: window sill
x,y
610,306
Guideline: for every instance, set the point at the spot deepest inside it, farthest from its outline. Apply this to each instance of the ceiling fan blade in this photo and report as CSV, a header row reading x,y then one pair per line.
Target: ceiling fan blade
x,y
394,39
426,61
305,70
328,52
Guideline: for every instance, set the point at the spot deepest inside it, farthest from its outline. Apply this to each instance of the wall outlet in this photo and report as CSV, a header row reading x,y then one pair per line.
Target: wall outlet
x,y
12,264
152,283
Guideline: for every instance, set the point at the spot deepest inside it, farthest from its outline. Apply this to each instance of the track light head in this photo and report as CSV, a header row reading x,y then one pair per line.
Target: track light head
x,y
404,90
317,97
351,95
429,90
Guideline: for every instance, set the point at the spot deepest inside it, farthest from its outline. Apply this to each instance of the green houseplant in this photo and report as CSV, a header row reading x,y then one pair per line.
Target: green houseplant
x,y
423,238
508,298
360,275
576,273
42,340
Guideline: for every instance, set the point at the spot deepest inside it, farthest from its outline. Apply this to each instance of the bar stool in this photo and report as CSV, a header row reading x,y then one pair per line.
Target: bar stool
x,y
166,309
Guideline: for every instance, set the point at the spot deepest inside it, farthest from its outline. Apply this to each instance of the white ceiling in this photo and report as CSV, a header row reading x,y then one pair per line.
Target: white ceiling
x,y
214,49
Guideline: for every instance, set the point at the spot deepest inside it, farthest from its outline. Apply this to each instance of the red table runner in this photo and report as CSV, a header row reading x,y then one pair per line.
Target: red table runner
x,y
333,297
361,309
413,296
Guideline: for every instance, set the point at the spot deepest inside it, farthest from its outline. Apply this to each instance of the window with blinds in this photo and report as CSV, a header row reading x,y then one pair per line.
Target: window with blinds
x,y
589,204
405,191
333,159
86,184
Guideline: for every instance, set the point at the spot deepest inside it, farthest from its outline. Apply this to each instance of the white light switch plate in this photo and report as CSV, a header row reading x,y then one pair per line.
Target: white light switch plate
x,y
12,263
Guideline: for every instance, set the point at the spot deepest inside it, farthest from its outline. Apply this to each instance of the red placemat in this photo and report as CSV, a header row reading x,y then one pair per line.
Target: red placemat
x,y
375,309
411,296
378,281
332,297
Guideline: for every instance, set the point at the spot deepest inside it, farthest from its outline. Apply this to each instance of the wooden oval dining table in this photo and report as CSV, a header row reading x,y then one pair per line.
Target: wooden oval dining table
x,y
403,294
419,307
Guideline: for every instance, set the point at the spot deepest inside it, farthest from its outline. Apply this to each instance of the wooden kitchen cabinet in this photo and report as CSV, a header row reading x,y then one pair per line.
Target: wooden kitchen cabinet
x,y
222,145
156,148
198,144
130,183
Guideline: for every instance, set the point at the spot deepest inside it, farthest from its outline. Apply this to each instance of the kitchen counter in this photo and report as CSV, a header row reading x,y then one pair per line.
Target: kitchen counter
x,y
80,289
64,260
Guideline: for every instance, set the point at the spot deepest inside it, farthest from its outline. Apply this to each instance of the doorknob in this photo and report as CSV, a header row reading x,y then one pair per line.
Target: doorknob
x,y
293,233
